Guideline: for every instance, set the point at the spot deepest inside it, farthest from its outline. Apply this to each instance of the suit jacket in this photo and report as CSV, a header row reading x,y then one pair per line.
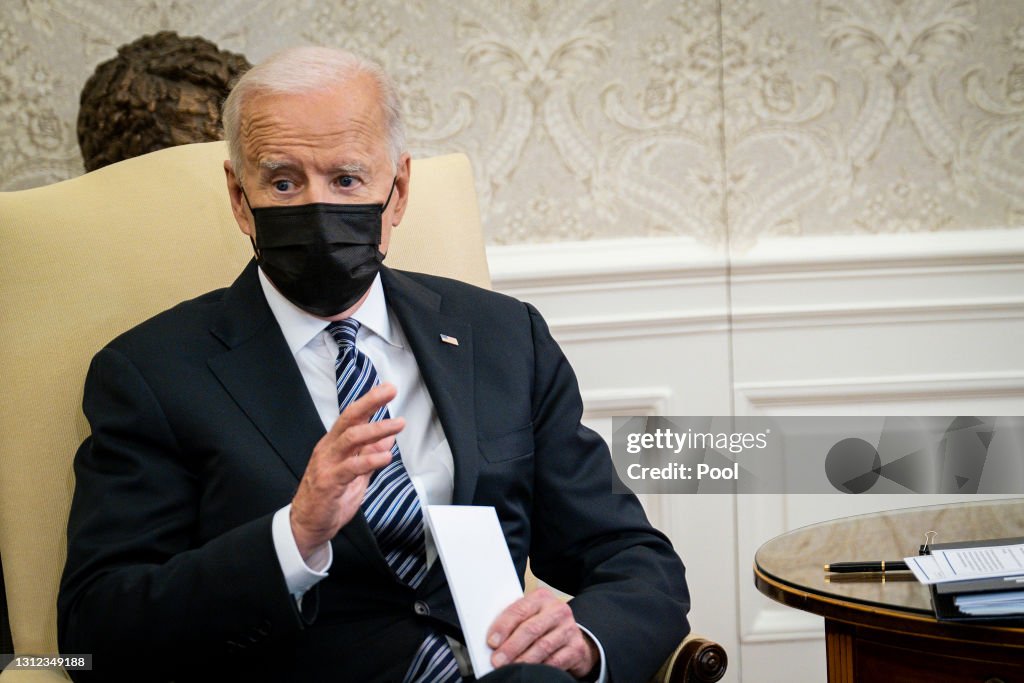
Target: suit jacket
x,y
201,429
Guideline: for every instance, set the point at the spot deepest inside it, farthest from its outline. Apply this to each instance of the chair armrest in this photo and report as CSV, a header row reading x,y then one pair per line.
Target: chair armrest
x,y
696,660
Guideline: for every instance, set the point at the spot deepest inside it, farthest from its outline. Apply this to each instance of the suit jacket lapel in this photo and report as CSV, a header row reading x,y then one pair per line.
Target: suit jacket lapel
x,y
447,370
258,371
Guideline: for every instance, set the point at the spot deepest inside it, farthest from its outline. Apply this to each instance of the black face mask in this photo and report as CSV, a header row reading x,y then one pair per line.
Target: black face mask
x,y
321,257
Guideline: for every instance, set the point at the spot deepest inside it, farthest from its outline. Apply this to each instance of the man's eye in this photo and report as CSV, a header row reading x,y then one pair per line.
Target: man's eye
x,y
346,181
282,185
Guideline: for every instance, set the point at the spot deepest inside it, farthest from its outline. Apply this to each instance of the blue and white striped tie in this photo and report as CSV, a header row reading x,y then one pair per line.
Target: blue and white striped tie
x,y
391,506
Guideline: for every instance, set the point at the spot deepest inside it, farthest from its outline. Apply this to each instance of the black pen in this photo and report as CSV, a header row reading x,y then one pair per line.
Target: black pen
x,y
879,567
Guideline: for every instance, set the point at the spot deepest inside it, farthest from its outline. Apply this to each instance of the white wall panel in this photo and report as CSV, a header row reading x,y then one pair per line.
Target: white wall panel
x,y
928,324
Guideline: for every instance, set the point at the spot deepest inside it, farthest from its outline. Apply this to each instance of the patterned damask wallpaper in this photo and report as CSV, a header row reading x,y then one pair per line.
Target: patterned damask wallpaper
x,y
603,118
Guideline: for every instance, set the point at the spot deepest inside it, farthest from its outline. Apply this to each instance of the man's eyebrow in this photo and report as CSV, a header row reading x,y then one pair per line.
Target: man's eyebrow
x,y
271,165
353,168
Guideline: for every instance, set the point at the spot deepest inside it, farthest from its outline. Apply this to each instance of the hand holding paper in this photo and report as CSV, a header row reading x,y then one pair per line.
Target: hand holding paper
x,y
541,629
537,628
479,569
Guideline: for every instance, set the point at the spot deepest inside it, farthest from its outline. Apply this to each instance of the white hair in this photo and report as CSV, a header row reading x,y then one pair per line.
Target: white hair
x,y
306,69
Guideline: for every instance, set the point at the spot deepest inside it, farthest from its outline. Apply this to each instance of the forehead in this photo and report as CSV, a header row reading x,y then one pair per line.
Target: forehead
x,y
344,122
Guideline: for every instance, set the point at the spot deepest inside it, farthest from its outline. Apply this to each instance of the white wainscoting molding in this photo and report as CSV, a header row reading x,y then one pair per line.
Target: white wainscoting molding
x,y
669,286
626,326
764,395
602,264
601,405
780,623
618,289
790,256
604,404
892,312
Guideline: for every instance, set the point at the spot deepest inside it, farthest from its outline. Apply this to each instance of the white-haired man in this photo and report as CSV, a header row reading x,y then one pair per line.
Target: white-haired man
x,y
250,501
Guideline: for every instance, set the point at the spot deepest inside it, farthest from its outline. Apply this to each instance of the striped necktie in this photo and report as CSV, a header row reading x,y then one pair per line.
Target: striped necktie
x,y
391,506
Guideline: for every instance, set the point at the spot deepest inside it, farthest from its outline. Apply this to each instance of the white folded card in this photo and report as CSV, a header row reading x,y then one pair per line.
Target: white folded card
x,y
479,569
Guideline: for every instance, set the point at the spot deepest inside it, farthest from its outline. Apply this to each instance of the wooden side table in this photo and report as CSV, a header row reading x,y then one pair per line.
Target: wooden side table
x,y
882,628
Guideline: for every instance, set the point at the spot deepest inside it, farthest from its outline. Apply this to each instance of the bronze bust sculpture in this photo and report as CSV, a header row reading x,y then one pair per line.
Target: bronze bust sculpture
x,y
161,90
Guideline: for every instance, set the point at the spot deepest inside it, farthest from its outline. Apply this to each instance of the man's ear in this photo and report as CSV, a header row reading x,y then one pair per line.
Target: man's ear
x,y
401,198
239,207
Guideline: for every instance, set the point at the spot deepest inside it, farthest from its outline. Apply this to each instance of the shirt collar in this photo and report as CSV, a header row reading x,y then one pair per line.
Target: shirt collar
x,y
300,328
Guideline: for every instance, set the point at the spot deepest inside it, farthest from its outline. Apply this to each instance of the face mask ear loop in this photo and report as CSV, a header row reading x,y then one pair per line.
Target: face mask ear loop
x,y
384,206
246,197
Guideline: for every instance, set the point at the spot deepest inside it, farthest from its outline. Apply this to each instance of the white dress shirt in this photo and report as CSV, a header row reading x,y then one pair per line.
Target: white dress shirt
x,y
425,451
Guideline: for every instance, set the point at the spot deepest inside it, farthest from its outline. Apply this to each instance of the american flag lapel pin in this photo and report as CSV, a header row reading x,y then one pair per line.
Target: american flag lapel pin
x,y
448,339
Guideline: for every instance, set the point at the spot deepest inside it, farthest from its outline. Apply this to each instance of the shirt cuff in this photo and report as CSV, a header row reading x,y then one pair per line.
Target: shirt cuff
x,y
298,575
602,676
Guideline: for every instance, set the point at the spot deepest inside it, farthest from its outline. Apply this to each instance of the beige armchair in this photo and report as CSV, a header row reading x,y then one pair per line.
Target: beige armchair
x,y
87,258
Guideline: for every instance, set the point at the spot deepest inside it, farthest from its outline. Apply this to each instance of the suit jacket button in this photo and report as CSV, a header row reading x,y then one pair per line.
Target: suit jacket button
x,y
421,608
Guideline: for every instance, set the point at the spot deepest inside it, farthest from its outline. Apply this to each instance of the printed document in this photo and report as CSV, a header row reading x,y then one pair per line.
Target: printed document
x,y
963,564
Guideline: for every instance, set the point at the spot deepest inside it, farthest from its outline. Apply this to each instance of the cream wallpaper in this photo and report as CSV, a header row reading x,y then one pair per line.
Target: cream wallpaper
x,y
599,118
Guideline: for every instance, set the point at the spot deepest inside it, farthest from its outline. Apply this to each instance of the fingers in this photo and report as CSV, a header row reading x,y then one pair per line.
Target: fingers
x,y
338,471
332,488
355,446
361,449
573,658
538,628
364,408
580,658
513,615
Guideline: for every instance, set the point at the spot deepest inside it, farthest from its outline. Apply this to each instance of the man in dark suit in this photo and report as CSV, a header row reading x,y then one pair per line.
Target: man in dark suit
x,y
228,520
